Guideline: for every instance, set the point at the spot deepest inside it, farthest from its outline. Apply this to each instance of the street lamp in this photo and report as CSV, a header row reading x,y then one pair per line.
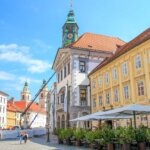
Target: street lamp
x,y
48,117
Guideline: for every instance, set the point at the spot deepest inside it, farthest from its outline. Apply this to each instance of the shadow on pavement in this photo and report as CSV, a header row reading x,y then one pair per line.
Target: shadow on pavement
x,y
53,144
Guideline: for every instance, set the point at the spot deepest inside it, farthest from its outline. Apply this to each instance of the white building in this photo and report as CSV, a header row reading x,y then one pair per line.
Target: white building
x,y
51,108
3,108
73,62
36,114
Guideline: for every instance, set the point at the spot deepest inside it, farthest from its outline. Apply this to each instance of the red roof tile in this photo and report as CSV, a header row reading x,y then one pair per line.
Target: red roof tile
x,y
97,42
34,107
10,107
128,46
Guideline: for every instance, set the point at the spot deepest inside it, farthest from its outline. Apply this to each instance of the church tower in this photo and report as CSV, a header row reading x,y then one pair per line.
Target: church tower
x,y
25,94
43,95
70,29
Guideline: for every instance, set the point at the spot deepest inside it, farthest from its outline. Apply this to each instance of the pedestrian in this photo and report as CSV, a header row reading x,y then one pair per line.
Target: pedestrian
x,y
21,137
25,137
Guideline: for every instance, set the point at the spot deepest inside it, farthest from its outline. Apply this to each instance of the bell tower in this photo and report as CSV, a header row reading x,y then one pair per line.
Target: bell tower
x,y
70,28
43,95
25,94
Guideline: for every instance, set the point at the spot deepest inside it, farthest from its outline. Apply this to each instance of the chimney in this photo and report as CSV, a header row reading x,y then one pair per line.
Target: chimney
x,y
12,100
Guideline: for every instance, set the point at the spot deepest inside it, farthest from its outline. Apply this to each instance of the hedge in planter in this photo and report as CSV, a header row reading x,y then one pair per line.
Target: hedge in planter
x,y
67,134
79,135
125,136
141,137
109,136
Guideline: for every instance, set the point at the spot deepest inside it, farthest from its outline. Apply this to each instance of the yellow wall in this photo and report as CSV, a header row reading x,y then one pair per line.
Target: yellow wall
x,y
11,119
130,79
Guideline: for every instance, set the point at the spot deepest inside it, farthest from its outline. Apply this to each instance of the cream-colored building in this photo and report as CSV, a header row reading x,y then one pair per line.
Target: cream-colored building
x,y
124,78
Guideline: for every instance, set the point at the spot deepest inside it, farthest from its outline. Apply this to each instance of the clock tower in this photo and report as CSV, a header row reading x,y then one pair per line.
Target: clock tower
x,y
70,29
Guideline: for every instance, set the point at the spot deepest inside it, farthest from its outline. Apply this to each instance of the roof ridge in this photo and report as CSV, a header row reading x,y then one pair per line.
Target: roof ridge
x,y
125,48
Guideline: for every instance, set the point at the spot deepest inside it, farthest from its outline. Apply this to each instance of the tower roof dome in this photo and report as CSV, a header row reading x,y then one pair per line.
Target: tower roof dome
x,y
71,17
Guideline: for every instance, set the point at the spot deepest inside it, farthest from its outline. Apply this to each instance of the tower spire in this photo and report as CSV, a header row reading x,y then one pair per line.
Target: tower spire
x,y
71,3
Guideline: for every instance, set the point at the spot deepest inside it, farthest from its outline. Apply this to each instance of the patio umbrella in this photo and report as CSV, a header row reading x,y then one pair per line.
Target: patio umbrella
x,y
94,117
133,110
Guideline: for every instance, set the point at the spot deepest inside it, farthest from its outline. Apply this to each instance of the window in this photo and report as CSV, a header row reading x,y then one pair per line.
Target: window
x,y
106,77
138,62
58,78
65,72
114,72
58,100
42,95
126,92
100,80
62,97
68,68
116,95
100,100
93,84
94,102
140,85
125,68
82,66
107,97
61,75
83,101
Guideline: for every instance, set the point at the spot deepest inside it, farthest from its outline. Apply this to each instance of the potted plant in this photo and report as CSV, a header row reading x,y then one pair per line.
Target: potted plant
x,y
60,135
141,137
68,133
109,136
79,134
90,136
125,136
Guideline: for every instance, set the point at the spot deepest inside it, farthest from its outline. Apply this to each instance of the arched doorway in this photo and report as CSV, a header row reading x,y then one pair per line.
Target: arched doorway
x,y
58,122
63,121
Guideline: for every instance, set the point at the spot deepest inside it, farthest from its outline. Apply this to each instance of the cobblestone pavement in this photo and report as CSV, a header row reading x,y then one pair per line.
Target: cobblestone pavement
x,y
36,144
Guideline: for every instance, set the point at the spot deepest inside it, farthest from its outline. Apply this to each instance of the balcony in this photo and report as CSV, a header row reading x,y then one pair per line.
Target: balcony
x,y
83,103
60,107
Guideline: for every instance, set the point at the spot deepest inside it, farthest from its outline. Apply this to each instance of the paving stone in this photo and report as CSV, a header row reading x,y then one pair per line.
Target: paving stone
x,y
36,144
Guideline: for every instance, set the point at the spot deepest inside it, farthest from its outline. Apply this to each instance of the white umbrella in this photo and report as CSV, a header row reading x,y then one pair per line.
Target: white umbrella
x,y
94,117
134,109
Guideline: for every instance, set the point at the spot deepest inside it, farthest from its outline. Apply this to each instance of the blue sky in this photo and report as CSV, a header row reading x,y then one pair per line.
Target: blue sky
x,y
31,33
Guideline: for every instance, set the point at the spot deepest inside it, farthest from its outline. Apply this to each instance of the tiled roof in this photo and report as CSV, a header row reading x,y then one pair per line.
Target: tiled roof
x,y
33,108
10,107
97,42
128,46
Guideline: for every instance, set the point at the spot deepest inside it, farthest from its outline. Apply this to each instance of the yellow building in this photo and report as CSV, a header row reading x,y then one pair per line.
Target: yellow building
x,y
124,78
11,115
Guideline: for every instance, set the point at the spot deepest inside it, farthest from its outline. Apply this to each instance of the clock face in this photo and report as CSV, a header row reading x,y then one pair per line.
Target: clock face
x,y
70,36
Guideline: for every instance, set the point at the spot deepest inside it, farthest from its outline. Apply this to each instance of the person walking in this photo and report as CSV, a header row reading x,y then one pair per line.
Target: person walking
x,y
21,137
25,137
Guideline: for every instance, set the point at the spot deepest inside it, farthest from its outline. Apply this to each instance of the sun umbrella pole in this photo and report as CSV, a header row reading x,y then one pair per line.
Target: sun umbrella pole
x,y
134,119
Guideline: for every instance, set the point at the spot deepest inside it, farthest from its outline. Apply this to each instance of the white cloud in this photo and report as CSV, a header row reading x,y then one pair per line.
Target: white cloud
x,y
6,76
20,54
29,80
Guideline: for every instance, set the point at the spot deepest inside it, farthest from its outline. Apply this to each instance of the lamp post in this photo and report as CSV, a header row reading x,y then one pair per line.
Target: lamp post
x,y
48,118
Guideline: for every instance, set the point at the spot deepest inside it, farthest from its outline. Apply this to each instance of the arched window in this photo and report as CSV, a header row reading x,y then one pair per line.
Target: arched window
x,y
41,95
63,121
58,122
23,97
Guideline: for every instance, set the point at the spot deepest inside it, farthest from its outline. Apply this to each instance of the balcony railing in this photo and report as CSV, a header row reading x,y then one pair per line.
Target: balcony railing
x,y
83,103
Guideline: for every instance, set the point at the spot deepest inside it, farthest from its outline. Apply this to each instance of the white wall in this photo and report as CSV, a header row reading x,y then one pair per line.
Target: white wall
x,y
3,105
40,120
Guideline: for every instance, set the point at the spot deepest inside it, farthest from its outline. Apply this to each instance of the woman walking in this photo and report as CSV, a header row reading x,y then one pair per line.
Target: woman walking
x,y
25,137
21,137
